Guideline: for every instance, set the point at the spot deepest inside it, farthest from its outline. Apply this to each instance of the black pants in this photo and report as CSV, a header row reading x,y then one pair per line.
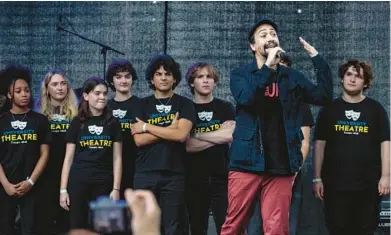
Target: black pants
x,y
80,194
51,217
126,182
351,212
168,189
8,211
204,193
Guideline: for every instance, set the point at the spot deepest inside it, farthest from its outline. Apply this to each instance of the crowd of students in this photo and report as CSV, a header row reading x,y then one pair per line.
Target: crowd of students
x,y
66,152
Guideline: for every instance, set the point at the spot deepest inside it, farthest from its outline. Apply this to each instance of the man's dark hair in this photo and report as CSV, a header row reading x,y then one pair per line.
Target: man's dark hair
x,y
168,64
262,20
358,65
119,66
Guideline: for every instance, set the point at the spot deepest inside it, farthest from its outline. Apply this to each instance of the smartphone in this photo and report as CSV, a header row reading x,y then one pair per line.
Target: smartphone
x,y
110,217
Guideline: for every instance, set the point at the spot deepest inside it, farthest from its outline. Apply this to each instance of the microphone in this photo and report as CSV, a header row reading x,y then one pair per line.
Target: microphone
x,y
281,55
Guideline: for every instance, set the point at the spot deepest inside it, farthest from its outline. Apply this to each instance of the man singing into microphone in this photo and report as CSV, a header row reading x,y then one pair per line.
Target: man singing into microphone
x,y
265,152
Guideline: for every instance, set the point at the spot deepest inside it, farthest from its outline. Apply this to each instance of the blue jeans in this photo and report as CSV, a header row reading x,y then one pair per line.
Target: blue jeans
x,y
255,225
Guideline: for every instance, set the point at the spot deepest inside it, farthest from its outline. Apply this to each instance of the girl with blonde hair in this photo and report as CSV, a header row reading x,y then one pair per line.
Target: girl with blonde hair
x,y
58,103
56,93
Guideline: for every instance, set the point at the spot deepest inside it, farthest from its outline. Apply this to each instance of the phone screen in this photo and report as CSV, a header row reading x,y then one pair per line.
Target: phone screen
x,y
110,220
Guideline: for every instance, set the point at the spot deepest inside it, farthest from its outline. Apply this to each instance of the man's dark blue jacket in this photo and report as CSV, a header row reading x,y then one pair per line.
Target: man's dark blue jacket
x,y
248,85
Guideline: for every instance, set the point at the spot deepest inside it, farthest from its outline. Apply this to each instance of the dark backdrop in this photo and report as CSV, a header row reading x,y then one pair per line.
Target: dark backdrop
x,y
214,32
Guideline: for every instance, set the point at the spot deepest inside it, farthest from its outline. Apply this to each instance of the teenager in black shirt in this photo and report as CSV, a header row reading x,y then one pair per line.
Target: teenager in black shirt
x,y
58,103
121,76
207,162
23,154
352,155
92,165
162,127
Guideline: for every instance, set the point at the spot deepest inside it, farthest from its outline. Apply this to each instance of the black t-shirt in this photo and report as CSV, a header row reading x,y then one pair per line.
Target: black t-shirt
x,y
213,160
94,139
21,138
273,132
353,133
164,155
58,126
124,111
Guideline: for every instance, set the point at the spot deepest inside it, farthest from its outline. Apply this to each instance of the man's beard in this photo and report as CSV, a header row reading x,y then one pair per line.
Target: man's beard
x,y
265,53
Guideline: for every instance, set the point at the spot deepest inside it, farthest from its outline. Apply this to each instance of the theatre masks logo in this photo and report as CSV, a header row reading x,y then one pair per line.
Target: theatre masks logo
x,y
350,114
118,113
18,125
163,108
95,129
58,117
205,116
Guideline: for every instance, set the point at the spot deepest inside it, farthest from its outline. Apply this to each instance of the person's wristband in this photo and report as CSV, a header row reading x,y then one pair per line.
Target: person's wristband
x,y
145,127
115,189
316,180
63,191
30,181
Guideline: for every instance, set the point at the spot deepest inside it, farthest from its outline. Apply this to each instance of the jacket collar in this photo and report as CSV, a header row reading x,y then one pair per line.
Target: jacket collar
x,y
283,71
253,65
280,68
